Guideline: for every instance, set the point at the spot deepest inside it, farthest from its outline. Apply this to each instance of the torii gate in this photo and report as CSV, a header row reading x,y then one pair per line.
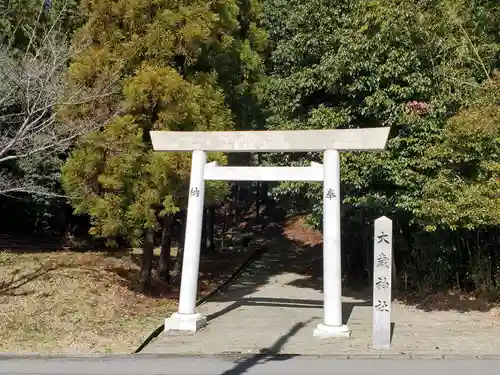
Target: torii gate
x,y
330,142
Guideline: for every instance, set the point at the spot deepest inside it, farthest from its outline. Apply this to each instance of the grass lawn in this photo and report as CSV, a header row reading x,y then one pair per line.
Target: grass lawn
x,y
67,302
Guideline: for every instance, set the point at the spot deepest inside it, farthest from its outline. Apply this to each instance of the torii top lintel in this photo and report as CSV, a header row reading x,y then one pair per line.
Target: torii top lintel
x,y
365,139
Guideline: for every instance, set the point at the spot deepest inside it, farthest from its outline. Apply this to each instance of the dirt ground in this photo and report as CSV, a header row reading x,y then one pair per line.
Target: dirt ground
x,y
297,230
67,302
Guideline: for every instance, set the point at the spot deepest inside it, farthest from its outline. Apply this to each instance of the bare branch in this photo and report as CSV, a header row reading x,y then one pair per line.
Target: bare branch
x,y
13,185
54,144
34,91
35,96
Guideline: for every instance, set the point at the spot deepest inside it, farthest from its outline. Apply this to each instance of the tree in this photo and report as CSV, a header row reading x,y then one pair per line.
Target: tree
x,y
35,93
178,63
34,54
462,196
409,65
23,21
465,189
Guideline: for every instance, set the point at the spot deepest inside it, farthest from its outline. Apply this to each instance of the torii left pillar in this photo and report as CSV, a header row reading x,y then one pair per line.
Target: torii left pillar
x,y
186,318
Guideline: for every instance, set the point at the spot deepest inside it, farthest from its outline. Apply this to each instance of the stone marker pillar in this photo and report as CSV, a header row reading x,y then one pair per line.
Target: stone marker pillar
x,y
332,270
186,319
382,272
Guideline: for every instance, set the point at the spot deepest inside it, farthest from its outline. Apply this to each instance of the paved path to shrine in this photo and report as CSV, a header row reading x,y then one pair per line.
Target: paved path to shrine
x,y
275,305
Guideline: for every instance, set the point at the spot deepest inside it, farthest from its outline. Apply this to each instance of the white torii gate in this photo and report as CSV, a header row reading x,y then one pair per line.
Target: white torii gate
x,y
330,142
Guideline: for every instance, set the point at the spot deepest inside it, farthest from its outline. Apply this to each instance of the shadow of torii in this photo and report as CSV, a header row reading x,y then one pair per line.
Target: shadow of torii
x,y
347,307
267,354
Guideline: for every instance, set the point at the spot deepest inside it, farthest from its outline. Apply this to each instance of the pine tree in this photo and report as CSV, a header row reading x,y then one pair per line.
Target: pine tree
x,y
181,65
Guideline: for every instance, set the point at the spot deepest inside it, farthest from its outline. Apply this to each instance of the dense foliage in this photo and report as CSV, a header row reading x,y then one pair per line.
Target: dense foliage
x,y
412,66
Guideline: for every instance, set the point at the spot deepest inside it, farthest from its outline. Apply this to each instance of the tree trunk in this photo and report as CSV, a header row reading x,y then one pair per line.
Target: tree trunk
x,y
147,260
180,246
406,233
210,229
257,196
203,243
237,204
493,256
224,225
165,253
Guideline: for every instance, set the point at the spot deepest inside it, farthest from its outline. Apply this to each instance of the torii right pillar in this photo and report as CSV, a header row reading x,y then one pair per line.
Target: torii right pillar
x,y
332,269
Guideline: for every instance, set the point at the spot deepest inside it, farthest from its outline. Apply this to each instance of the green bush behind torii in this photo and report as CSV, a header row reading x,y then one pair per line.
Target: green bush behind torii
x,y
410,65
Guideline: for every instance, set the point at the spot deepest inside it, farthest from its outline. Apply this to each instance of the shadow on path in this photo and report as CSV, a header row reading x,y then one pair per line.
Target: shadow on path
x,y
267,354
347,307
292,248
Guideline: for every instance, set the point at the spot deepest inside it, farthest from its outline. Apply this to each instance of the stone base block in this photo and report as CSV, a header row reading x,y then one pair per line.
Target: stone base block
x,y
185,322
323,331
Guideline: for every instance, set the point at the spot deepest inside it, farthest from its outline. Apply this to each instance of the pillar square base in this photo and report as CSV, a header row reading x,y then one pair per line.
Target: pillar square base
x,y
185,322
323,331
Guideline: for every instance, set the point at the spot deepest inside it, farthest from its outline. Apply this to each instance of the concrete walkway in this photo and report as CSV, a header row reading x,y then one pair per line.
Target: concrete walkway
x,y
275,305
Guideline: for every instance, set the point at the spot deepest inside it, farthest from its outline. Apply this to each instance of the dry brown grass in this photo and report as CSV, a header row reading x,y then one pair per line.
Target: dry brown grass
x,y
66,302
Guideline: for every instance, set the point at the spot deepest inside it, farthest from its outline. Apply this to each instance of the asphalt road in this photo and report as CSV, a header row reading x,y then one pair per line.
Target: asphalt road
x,y
150,365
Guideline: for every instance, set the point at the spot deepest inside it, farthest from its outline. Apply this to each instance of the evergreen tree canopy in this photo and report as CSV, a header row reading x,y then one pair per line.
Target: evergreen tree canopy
x,y
181,65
